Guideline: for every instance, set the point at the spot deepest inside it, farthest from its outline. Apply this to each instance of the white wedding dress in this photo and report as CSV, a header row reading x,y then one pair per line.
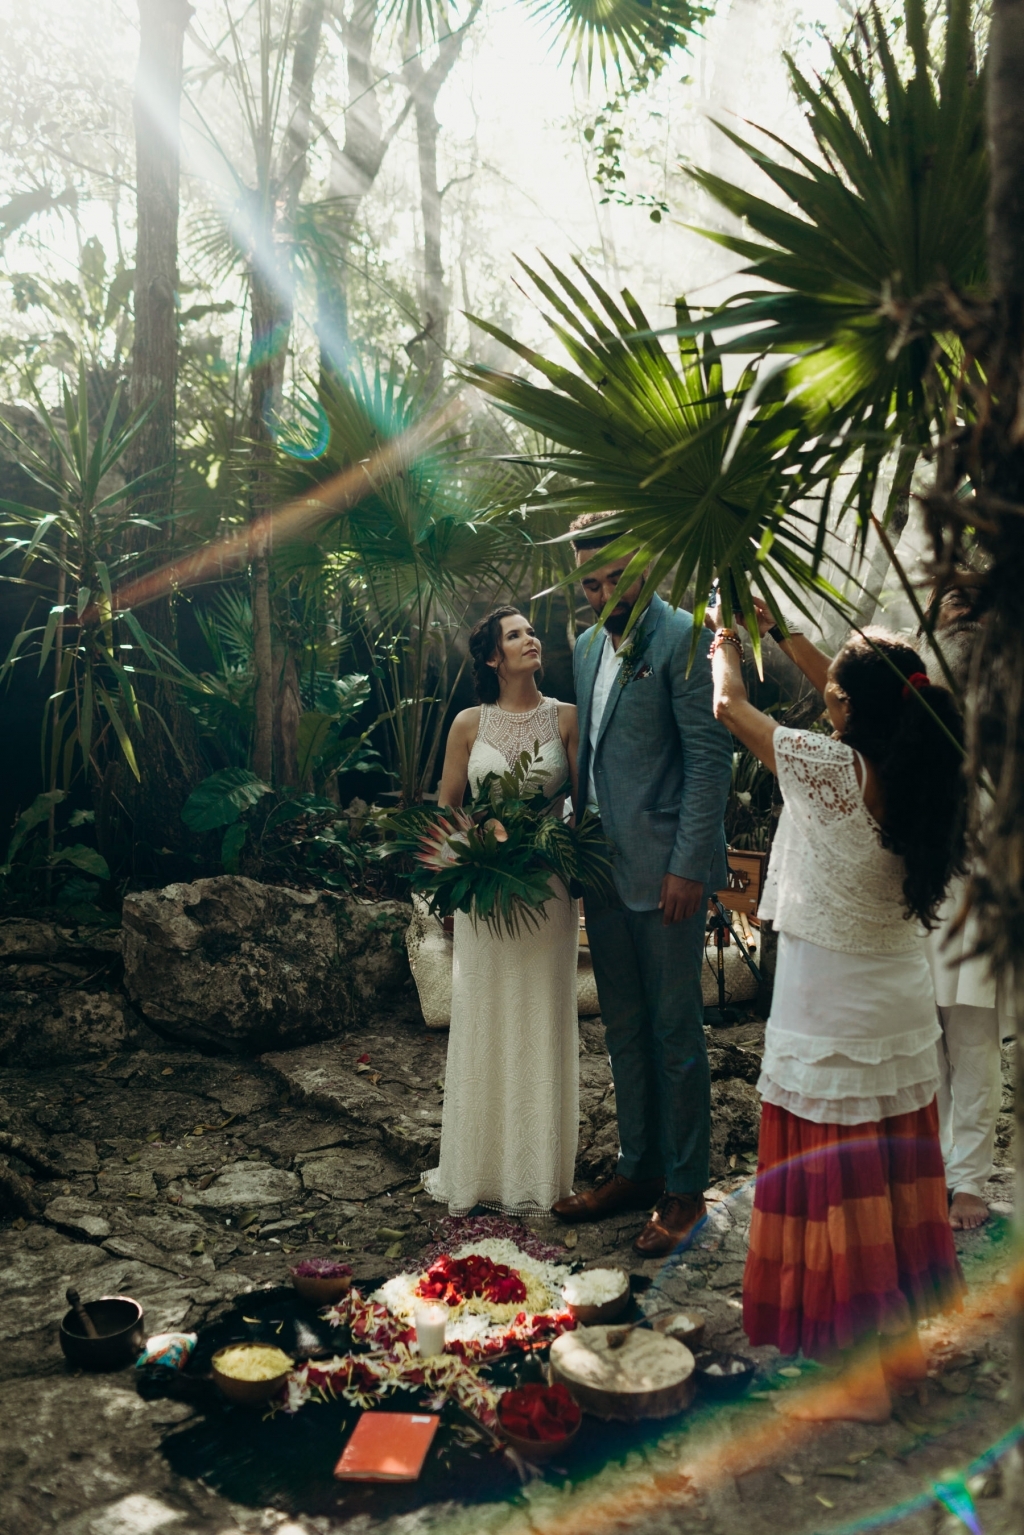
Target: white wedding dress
x,y
511,1095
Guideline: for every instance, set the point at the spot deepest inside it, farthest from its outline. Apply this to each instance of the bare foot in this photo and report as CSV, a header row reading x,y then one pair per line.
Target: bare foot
x,y
904,1362
967,1212
829,1403
859,1396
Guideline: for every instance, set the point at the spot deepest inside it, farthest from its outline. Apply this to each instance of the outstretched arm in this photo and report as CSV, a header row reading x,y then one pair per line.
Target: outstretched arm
x,y
732,706
569,730
814,663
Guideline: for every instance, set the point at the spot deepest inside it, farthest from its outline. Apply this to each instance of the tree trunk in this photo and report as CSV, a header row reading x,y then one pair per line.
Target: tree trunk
x,y
271,291
999,732
425,87
270,322
355,164
168,759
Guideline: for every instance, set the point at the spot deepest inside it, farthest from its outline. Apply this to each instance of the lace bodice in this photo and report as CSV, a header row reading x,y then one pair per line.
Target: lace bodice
x,y
830,880
503,736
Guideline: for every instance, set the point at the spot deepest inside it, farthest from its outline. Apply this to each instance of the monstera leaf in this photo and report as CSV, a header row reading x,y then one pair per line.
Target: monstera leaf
x,y
220,799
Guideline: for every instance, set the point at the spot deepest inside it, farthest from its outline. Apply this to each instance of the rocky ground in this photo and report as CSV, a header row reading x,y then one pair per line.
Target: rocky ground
x,y
190,1179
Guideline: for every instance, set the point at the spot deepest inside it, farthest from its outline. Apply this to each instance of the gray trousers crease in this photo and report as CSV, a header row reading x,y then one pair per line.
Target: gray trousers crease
x,y
648,985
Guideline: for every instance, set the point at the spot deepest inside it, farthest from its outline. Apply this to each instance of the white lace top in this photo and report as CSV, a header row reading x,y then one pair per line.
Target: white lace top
x,y
830,880
503,736
853,1027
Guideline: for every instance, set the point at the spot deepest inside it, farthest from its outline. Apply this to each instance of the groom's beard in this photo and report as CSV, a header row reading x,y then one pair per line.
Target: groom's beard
x,y
616,621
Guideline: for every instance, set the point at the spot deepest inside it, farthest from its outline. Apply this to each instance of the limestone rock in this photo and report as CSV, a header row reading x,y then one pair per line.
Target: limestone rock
x,y
735,1122
356,1174
247,1184
79,1217
25,938
55,1028
234,965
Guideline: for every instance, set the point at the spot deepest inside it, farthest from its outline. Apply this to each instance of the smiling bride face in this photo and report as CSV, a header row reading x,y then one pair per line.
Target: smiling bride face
x,y
518,651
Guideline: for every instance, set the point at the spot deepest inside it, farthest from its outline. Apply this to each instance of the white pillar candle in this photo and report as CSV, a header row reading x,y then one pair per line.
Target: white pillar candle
x,y
430,1325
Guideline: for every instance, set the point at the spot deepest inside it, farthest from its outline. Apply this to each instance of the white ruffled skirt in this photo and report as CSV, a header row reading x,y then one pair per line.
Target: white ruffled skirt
x,y
851,1037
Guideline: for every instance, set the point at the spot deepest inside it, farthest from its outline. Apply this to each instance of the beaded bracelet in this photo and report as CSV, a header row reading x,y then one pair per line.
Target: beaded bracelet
x,y
726,637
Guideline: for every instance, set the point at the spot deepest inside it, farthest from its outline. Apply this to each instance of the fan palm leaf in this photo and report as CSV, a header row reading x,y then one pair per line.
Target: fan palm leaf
x,y
887,214
699,492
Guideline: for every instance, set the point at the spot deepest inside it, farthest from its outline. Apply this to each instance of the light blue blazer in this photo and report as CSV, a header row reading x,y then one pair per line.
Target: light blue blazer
x,y
663,763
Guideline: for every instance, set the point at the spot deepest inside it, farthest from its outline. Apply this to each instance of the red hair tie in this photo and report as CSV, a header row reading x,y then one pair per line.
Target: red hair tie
x,y
917,680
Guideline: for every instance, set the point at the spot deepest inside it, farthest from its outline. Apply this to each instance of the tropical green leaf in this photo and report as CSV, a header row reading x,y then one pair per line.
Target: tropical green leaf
x,y
314,733
37,812
231,846
220,799
85,858
882,221
702,488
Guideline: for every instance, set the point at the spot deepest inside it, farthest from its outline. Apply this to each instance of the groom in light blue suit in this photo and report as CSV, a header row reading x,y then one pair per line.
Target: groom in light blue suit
x,y
656,766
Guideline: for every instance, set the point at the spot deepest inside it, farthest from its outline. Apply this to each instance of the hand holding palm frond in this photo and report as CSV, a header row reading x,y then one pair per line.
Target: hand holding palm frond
x,y
495,858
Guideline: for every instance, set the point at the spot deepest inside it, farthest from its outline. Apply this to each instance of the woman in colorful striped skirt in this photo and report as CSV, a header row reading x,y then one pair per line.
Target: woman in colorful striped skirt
x,y
850,1243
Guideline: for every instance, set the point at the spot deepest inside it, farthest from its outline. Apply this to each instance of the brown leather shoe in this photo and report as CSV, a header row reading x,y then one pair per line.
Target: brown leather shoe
x,y
675,1219
609,1198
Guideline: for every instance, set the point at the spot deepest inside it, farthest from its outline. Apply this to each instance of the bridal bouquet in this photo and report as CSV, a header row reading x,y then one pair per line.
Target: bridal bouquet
x,y
494,858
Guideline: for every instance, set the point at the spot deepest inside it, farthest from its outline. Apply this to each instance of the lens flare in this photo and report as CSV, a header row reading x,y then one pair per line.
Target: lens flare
x,y
304,433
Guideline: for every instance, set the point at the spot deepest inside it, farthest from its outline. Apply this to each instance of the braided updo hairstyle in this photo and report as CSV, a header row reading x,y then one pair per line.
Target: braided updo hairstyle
x,y
920,770
484,645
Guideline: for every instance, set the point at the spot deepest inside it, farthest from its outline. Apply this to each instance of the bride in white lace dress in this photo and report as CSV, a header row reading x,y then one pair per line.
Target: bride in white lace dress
x,y
511,1099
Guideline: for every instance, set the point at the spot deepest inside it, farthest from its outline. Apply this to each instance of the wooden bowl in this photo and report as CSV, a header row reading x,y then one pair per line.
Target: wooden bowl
x,y
721,1387
120,1322
645,1376
321,1292
246,1393
538,1450
598,1316
683,1326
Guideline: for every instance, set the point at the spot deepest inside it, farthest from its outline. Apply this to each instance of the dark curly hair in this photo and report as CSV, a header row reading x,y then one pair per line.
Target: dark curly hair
x,y
920,770
484,645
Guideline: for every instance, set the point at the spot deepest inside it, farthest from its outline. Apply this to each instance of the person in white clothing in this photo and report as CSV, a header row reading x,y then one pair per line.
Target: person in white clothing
x,y
850,1244
510,1124
970,1060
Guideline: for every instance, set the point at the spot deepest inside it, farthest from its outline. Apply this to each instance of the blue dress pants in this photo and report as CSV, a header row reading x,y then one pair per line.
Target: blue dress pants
x,y
648,985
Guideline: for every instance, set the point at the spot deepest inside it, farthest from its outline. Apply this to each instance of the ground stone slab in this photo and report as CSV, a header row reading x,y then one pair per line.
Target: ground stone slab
x,y
247,1184
356,1174
78,1216
242,966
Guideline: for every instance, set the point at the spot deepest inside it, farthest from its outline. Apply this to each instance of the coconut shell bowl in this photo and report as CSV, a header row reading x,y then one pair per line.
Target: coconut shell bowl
x,y
607,1311
323,1288
722,1376
247,1393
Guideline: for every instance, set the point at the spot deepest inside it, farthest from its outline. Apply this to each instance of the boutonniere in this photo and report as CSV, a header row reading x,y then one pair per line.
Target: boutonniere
x,y
634,668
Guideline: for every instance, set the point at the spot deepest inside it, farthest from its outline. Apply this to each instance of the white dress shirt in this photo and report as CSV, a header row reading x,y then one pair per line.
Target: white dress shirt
x,y
607,676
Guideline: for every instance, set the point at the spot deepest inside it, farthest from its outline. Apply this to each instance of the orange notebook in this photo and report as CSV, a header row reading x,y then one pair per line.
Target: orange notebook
x,y
387,1447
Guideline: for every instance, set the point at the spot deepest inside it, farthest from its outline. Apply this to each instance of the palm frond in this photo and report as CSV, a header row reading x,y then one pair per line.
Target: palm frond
x,y
700,491
886,214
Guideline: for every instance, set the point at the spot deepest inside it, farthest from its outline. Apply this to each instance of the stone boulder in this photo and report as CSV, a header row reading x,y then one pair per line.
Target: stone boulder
x,y
735,1123
55,1028
60,994
232,965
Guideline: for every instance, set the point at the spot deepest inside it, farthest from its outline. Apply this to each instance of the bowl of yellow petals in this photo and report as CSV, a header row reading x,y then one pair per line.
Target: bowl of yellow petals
x,y
250,1373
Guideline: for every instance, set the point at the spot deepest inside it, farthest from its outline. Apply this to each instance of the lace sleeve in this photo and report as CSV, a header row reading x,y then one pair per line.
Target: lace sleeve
x,y
817,776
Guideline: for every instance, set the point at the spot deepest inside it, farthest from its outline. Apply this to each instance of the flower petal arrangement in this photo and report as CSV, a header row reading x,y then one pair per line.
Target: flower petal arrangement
x,y
495,858
477,1282
488,1286
539,1412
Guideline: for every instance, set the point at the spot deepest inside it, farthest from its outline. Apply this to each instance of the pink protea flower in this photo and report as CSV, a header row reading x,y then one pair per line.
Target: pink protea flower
x,y
436,850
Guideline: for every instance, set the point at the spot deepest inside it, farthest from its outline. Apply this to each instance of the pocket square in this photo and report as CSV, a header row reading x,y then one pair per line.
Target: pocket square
x,y
644,671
